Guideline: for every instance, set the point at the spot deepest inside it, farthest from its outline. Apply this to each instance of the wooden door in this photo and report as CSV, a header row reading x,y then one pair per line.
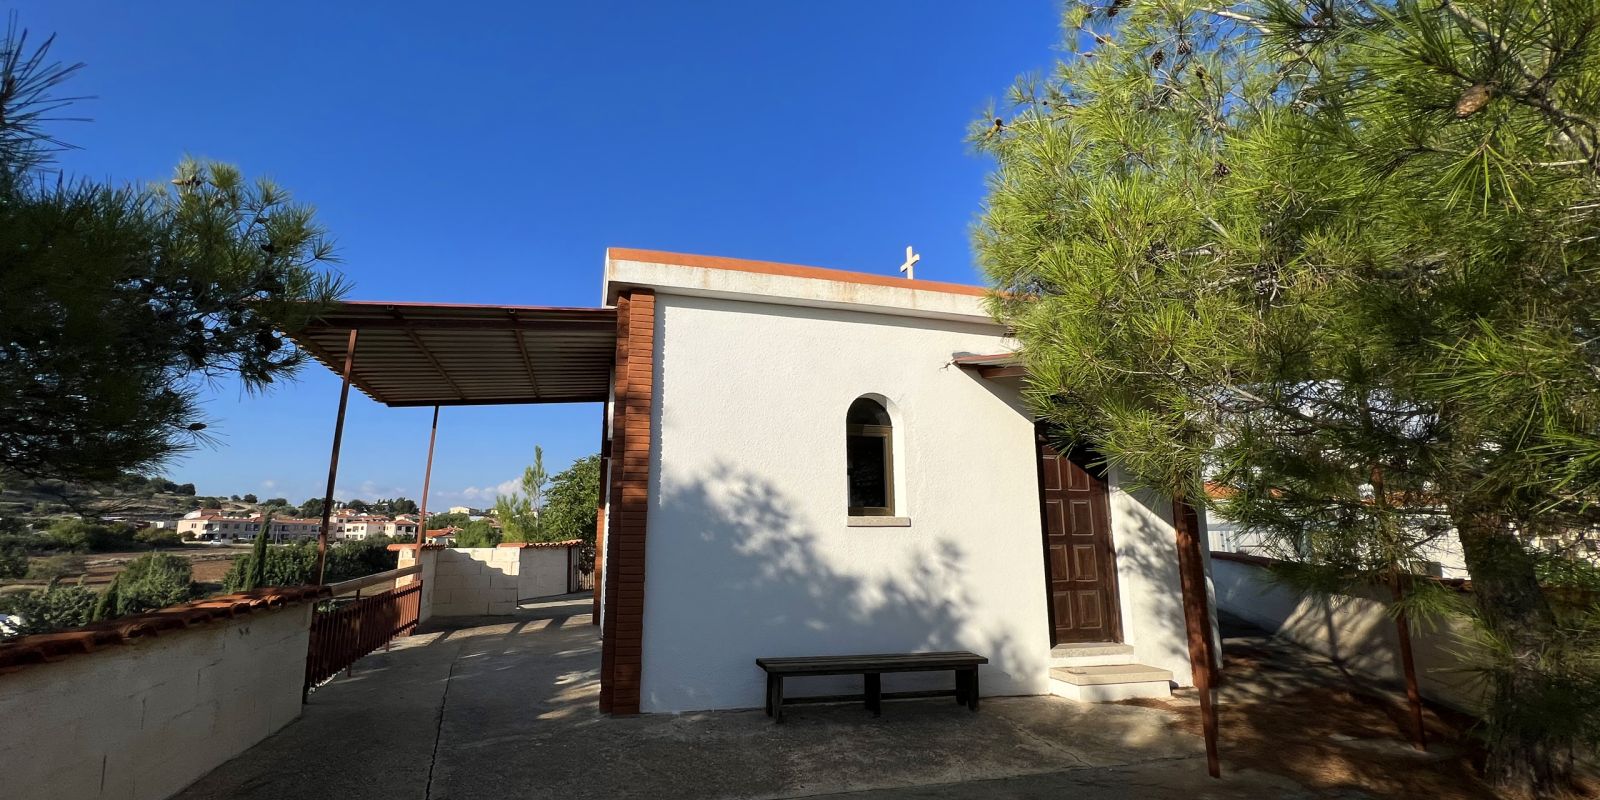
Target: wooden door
x,y
1080,564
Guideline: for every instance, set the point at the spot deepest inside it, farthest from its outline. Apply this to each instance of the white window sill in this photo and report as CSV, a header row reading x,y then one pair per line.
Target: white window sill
x,y
879,522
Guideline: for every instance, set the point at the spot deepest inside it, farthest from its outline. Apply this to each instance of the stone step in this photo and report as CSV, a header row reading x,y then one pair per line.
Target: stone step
x,y
1091,654
1105,683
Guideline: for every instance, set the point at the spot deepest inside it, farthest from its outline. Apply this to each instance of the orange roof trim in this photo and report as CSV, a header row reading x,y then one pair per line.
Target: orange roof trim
x,y
47,647
789,270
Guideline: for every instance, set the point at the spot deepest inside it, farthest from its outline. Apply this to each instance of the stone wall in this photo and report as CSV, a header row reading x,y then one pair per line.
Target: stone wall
x,y
147,718
1354,631
489,581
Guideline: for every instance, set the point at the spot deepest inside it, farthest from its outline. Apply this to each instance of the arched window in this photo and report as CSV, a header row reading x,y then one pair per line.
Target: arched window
x,y
869,458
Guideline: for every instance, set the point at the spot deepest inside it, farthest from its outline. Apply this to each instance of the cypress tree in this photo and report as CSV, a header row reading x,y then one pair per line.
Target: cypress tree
x,y
257,576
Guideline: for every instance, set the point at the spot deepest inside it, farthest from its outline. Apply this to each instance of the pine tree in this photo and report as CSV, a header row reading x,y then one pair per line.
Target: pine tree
x,y
520,513
1338,255
117,303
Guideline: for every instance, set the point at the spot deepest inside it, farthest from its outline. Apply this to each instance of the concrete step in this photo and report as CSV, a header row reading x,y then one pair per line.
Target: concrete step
x,y
1091,655
1106,683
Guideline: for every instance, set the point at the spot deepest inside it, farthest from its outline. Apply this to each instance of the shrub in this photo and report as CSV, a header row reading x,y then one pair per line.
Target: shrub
x,y
296,564
1567,572
286,565
348,560
47,610
158,537
149,582
83,536
13,557
57,566
478,534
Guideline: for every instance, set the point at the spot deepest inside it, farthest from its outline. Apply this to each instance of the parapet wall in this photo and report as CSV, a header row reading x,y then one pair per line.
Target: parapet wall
x,y
144,717
491,581
1354,631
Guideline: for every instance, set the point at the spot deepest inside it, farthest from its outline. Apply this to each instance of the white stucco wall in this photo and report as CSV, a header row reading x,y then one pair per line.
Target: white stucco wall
x,y
430,565
146,719
1355,631
542,572
1150,593
749,553
475,581
490,581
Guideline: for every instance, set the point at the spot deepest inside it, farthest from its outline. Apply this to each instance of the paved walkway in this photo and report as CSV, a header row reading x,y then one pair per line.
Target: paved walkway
x,y
504,707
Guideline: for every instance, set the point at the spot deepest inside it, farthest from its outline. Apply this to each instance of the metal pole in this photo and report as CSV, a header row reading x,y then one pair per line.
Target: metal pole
x,y
1419,736
427,478
600,510
1197,621
333,460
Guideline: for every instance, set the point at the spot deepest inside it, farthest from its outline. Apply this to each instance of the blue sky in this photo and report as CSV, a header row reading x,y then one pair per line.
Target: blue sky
x,y
490,152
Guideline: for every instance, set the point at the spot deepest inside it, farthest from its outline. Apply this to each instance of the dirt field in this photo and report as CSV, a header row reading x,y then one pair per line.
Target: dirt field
x,y
210,564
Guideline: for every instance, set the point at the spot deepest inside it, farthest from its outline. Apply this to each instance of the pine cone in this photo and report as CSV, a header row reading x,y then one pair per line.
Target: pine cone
x,y
1474,99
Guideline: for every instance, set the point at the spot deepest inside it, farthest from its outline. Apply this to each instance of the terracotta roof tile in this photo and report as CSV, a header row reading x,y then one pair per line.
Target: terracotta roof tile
x,y
47,647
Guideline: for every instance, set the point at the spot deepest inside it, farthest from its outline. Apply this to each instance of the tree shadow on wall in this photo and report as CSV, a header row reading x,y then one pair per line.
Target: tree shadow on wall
x,y
751,578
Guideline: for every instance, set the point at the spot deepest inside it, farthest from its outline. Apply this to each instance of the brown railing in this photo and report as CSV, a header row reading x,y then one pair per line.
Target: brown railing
x,y
344,630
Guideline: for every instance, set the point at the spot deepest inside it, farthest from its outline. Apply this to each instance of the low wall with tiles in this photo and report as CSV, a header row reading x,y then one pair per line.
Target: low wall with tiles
x,y
491,581
144,717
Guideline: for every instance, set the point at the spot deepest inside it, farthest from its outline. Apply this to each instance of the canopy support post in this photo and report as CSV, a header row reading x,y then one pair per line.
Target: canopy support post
x,y
333,460
427,479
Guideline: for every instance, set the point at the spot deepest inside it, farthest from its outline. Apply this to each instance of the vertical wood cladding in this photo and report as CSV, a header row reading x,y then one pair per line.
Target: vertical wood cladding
x,y
634,385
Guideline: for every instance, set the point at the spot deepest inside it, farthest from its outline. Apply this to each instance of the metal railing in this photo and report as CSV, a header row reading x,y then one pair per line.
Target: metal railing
x,y
344,630
355,585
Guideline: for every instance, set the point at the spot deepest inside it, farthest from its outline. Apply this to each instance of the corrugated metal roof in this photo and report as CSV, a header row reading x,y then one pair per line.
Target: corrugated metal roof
x,y
426,354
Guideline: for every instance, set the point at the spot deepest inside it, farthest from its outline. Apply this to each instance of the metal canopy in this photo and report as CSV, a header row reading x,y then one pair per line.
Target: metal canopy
x,y
424,354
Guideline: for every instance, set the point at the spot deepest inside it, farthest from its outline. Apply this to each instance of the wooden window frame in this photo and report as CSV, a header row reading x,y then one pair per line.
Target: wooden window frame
x,y
885,433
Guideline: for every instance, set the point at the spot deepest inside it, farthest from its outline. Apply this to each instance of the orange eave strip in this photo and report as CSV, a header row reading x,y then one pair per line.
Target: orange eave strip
x,y
787,270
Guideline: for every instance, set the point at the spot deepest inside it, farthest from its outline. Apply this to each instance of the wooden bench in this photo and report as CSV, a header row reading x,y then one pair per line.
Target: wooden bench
x,y
871,668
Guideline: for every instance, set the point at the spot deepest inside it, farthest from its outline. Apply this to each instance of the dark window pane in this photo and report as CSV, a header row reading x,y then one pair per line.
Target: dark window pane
x,y
868,471
866,412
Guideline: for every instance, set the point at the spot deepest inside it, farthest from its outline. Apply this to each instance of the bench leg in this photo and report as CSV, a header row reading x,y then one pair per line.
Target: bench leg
x,y
972,688
874,692
770,679
775,697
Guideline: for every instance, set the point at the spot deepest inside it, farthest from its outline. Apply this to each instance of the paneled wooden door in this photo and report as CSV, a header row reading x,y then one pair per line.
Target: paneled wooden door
x,y
1080,564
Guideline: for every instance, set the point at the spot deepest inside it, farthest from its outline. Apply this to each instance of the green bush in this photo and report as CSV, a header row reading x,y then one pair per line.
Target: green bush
x,y
348,560
47,610
158,537
478,534
57,566
13,558
296,564
83,536
1566,572
149,582
287,565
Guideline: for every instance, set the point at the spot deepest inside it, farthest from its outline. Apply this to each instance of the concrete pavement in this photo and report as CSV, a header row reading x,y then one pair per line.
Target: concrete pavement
x,y
506,707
